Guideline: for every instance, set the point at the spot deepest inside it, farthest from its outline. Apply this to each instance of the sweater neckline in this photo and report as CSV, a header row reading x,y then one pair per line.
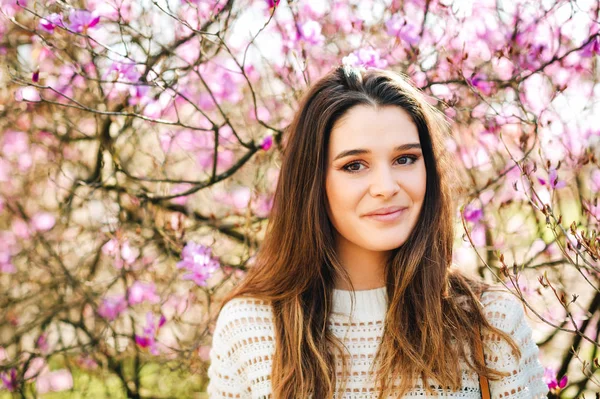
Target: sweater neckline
x,y
368,304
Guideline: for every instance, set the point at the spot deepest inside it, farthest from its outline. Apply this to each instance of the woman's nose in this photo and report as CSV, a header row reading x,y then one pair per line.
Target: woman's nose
x,y
384,183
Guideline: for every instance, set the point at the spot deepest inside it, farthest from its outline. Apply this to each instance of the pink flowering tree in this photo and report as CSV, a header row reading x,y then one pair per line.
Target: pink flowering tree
x,y
138,158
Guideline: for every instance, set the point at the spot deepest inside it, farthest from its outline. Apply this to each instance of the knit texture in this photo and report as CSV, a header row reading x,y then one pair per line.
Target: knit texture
x,y
244,344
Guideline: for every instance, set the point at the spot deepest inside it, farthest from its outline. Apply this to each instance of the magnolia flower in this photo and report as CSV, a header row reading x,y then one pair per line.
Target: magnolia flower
x,y
554,385
402,29
148,338
367,57
50,22
310,31
552,180
112,306
9,380
473,214
480,82
123,252
28,93
42,343
267,143
272,3
54,381
43,221
140,292
199,263
82,20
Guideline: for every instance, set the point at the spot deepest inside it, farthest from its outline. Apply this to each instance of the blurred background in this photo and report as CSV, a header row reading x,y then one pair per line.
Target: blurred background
x,y
140,143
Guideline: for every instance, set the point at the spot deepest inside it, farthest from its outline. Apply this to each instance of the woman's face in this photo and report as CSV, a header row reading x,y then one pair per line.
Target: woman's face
x,y
374,162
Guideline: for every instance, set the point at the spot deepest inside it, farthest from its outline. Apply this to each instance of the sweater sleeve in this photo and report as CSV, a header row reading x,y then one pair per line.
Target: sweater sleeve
x,y
525,379
226,371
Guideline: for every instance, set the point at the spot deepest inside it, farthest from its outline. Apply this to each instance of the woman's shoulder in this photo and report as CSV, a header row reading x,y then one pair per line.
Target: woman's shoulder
x,y
498,295
241,315
506,312
240,308
502,308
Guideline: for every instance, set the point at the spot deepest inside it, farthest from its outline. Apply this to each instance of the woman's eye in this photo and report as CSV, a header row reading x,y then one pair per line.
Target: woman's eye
x,y
412,158
353,167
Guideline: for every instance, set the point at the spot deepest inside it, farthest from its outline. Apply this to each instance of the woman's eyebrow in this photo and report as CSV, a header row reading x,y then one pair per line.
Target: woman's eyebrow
x,y
361,151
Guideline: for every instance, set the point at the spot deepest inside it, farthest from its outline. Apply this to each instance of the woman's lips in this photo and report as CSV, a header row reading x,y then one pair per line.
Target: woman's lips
x,y
388,217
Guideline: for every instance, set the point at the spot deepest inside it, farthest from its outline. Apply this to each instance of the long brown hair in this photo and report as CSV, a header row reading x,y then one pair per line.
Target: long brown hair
x,y
430,306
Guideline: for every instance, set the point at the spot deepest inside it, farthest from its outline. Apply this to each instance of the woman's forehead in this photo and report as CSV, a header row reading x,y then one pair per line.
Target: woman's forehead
x,y
368,127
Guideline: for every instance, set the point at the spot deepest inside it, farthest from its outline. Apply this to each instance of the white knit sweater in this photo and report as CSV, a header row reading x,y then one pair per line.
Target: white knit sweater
x,y
244,343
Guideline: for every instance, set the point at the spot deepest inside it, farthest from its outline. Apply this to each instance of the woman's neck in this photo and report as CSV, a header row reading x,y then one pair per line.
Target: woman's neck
x,y
365,268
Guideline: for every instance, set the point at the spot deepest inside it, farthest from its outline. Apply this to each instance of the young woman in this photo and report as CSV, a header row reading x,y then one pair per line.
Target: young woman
x,y
352,294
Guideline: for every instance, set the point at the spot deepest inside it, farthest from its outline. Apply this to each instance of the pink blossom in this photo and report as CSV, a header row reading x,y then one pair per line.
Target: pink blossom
x,y
11,7
595,180
238,198
552,180
262,205
128,253
521,284
36,367
593,210
175,305
82,20
473,214
30,94
140,292
7,249
367,57
111,247
42,343
550,378
20,229
123,252
480,82
310,31
202,144
262,113
9,380
148,337
204,352
197,260
532,56
267,143
343,17
272,3
241,197
127,79
112,306
314,9
43,221
402,29
54,381
225,158
15,142
226,81
123,70
50,22
180,188
112,9
7,267
592,48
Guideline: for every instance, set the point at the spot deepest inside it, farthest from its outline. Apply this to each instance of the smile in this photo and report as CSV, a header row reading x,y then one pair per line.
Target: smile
x,y
388,217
